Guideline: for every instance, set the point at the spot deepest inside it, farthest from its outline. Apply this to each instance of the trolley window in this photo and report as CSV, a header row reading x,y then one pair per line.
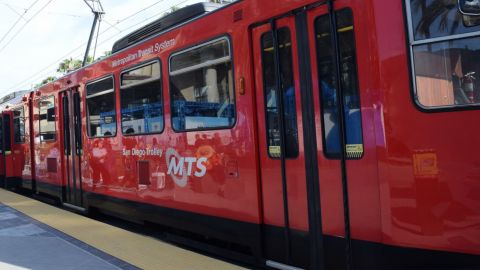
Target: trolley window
x,y
436,19
19,125
445,43
329,90
141,100
47,119
101,108
201,87
271,94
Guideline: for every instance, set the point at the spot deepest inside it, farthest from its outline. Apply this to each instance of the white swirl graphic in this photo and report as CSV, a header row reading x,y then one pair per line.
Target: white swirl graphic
x,y
179,181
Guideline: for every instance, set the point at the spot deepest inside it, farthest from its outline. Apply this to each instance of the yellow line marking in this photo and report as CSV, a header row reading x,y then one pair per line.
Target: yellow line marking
x,y
142,251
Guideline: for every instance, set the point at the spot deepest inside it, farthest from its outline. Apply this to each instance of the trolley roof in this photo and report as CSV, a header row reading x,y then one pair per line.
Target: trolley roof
x,y
175,18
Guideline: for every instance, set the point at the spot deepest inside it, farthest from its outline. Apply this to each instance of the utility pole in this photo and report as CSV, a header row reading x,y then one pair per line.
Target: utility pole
x,y
97,10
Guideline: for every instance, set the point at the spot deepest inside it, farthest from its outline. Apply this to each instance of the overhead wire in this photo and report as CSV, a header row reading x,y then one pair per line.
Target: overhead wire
x,y
142,22
15,11
26,23
112,25
41,73
140,11
12,8
21,16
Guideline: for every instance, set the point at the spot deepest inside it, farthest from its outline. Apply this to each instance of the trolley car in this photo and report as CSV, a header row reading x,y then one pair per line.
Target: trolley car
x,y
287,134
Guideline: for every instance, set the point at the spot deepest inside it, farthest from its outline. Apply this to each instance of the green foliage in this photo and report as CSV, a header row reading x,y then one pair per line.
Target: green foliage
x,y
68,65
105,55
45,81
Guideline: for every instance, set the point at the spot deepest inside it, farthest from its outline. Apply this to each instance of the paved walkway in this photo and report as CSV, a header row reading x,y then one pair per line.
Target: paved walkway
x,y
28,244
35,235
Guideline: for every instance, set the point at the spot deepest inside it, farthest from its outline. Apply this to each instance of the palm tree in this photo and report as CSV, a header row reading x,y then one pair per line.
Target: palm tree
x,y
70,64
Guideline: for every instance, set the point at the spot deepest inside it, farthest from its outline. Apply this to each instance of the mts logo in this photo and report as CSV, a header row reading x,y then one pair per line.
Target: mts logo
x,y
180,168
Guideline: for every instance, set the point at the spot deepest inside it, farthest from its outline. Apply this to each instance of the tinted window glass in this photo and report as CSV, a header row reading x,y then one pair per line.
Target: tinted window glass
x,y
434,18
141,100
101,109
100,86
1,135
200,55
6,131
328,86
272,95
47,119
19,126
77,122
446,72
201,87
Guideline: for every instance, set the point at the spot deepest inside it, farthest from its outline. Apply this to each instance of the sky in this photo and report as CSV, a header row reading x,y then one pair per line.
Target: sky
x,y
36,35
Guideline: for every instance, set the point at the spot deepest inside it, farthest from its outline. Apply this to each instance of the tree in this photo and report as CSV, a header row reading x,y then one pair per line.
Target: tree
x,y
105,55
45,81
68,65
172,9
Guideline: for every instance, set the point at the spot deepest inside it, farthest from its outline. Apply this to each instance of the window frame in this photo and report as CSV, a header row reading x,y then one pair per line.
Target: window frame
x,y
200,44
56,118
87,113
134,67
411,43
13,118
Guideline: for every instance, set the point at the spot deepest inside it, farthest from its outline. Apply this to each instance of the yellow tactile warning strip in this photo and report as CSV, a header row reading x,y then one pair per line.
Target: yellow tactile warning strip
x,y
142,251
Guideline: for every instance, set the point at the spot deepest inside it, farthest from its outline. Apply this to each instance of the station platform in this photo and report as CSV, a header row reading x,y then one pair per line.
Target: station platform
x,y
35,235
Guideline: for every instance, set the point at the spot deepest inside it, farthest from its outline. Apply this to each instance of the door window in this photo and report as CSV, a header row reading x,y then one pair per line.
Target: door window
x,y
1,136
6,131
271,94
19,125
329,90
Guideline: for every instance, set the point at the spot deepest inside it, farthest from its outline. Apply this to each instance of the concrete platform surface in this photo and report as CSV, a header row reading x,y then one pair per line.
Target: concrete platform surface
x,y
35,235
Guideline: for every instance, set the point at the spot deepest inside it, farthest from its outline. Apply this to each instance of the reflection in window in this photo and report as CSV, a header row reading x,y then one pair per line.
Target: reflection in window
x,y
47,119
6,132
141,100
433,18
19,125
1,136
271,94
445,72
101,109
328,87
201,87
